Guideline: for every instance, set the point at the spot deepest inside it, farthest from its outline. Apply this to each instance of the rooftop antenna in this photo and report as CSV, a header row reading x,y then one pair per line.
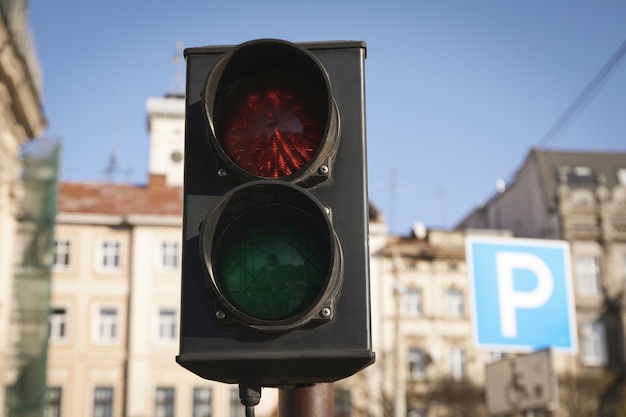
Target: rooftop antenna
x,y
178,88
111,170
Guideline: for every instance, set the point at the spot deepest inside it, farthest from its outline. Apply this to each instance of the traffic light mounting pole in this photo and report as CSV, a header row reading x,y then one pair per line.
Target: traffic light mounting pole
x,y
312,401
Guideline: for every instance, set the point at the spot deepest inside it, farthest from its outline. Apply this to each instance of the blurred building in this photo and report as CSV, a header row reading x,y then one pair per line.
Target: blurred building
x,y
21,118
116,294
426,359
579,197
116,297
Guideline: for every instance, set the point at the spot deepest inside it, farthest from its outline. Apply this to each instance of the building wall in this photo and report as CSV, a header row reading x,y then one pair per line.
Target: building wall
x,y
140,360
156,288
145,290
432,273
436,264
81,360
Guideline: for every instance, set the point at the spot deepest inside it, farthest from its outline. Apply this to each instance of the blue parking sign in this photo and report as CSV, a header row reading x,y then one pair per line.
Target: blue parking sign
x,y
521,293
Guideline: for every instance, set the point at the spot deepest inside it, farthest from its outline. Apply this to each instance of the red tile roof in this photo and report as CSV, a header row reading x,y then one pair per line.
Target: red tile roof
x,y
119,199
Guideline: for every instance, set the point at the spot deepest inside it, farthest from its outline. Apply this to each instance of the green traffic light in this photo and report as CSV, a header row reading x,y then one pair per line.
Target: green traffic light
x,y
272,263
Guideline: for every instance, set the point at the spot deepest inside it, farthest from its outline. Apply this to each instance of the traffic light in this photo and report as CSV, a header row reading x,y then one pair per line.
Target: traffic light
x,y
275,283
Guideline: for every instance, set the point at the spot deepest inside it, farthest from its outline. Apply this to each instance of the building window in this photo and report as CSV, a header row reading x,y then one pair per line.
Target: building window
x,y
413,301
202,402
457,363
103,402
110,255
588,274
235,403
416,412
454,303
53,402
107,327
343,403
164,403
61,254
58,325
167,324
496,356
593,343
417,363
169,255
577,175
621,176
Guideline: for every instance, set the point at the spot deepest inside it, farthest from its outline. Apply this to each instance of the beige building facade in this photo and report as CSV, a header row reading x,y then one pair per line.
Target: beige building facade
x,y
116,295
114,324
427,359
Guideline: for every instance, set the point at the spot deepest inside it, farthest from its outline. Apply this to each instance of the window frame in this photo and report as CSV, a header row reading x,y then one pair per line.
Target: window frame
x,y
342,403
419,411
54,403
588,274
414,302
106,326
166,404
169,255
455,303
458,363
202,407
109,259
167,325
593,348
235,403
416,358
59,325
106,401
62,252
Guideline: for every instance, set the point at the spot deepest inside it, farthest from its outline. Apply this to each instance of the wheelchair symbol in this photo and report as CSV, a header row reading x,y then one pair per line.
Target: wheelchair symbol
x,y
514,392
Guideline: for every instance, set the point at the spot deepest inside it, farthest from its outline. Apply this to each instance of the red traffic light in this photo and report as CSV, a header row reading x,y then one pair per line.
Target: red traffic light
x,y
271,112
272,125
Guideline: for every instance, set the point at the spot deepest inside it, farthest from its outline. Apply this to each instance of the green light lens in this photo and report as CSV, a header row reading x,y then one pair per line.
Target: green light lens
x,y
272,262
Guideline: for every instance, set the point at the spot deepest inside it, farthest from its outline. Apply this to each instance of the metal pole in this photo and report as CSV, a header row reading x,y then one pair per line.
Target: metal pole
x,y
307,401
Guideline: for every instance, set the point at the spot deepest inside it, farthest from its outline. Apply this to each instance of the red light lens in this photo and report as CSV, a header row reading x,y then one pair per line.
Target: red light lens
x,y
272,124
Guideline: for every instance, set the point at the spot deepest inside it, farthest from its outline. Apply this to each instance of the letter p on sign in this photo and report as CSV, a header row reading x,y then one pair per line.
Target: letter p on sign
x,y
510,299
521,294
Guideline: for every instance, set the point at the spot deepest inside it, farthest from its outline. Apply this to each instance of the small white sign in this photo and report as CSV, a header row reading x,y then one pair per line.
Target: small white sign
x,y
527,382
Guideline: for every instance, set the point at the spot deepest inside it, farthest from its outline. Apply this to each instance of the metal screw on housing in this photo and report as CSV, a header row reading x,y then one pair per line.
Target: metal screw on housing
x,y
323,170
221,172
220,314
325,312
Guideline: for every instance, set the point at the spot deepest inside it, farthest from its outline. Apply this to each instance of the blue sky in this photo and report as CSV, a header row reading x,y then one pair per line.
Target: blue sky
x,y
457,91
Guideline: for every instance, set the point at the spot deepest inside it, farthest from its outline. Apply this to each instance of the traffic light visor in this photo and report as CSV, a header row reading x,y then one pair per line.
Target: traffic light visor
x,y
270,110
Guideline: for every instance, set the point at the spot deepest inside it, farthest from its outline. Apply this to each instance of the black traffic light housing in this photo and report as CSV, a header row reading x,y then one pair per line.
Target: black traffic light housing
x,y
275,283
